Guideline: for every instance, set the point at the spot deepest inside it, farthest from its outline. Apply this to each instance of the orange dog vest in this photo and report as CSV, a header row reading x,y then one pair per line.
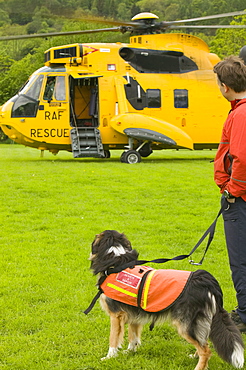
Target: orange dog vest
x,y
152,290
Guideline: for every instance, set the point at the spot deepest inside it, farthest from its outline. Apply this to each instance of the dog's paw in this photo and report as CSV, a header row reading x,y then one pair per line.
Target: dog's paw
x,y
112,352
195,355
133,346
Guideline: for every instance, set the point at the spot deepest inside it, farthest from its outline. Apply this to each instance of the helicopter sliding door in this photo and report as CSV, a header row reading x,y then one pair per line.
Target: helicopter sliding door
x,y
54,108
84,100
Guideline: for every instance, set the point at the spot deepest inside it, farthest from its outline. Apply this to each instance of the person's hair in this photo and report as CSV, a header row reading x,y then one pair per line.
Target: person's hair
x,y
232,72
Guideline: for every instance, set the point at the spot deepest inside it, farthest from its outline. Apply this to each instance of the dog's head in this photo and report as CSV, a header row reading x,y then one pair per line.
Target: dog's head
x,y
111,249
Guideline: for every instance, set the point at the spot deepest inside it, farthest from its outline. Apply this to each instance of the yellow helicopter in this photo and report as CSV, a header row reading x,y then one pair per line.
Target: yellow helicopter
x,y
157,92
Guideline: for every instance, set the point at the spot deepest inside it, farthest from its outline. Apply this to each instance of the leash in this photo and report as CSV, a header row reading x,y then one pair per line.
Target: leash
x,y
210,231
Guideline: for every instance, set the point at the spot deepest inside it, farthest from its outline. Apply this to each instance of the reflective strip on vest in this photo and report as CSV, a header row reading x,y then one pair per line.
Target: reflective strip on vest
x,y
122,290
146,290
152,290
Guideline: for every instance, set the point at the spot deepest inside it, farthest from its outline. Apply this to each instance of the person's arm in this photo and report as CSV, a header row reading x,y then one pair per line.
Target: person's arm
x,y
237,181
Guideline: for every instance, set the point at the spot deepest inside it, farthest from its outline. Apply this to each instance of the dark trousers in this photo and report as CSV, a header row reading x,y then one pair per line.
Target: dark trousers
x,y
235,232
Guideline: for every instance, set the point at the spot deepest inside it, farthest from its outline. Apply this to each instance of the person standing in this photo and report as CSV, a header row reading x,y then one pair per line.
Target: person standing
x,y
230,176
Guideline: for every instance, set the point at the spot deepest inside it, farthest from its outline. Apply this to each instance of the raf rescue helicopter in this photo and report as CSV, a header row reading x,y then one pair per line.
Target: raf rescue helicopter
x,y
157,92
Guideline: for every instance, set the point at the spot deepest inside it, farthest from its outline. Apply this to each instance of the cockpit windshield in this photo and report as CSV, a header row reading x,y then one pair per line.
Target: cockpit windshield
x,y
27,100
32,87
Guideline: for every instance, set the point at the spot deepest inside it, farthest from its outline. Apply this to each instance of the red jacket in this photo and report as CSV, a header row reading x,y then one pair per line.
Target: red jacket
x,y
230,171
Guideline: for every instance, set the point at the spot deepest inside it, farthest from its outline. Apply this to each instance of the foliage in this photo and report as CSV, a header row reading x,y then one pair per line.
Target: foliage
x,y
229,42
42,21
20,71
51,209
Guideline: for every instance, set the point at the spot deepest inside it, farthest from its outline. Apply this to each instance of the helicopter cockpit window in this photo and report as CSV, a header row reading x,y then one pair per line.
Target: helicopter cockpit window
x,y
34,90
153,98
27,100
181,98
49,88
32,85
60,88
55,88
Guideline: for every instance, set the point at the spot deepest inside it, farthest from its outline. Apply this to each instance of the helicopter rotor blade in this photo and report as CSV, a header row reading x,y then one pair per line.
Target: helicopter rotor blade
x,y
68,33
131,26
232,14
209,26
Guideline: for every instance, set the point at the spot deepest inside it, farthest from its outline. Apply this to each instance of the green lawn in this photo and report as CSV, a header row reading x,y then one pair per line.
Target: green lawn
x,y
51,209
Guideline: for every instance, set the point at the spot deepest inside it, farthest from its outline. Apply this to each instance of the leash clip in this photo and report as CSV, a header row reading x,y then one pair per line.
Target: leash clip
x,y
195,263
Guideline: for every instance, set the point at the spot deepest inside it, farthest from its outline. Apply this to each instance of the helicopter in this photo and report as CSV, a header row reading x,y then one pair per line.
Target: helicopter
x,y
156,92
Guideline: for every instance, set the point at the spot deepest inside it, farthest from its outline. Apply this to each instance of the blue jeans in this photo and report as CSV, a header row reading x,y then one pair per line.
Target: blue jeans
x,y
235,232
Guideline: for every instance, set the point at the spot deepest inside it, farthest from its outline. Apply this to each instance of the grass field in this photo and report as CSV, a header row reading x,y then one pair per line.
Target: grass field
x,y
51,209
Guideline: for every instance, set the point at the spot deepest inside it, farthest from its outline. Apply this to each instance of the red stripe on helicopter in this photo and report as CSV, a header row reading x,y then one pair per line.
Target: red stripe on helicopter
x,y
90,52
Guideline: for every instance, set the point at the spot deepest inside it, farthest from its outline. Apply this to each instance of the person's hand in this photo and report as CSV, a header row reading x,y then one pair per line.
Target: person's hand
x,y
231,200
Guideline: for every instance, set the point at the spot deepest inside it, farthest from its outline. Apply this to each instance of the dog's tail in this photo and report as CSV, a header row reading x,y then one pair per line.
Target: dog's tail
x,y
227,339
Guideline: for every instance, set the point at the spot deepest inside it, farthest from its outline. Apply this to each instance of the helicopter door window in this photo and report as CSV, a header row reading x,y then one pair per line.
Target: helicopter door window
x,y
153,98
181,98
60,88
49,88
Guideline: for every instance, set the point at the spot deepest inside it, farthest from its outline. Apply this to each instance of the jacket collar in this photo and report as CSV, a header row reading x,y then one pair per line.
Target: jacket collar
x,y
235,103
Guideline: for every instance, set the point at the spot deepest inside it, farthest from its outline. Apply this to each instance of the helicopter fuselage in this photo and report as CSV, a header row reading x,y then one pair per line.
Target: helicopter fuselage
x,y
157,92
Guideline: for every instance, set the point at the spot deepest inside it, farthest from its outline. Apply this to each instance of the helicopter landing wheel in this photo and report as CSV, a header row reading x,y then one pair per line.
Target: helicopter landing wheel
x,y
130,157
145,150
122,157
107,154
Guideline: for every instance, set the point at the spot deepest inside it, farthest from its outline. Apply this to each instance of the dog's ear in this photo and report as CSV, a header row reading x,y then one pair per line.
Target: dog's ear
x,y
111,248
94,244
107,239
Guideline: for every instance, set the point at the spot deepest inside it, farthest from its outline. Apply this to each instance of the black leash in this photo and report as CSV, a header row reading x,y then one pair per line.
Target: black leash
x,y
210,231
93,302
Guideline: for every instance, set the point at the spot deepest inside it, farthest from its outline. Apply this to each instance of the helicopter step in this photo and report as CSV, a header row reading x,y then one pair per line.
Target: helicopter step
x,y
86,142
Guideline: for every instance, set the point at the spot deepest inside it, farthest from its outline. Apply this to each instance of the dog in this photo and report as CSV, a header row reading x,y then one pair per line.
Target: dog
x,y
197,312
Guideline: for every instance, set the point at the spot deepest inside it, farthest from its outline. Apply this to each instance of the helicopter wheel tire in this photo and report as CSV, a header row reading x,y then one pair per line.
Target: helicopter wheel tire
x,y
122,157
130,157
107,154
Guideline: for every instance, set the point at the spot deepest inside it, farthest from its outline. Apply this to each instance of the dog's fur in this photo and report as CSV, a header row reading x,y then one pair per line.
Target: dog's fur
x,y
198,314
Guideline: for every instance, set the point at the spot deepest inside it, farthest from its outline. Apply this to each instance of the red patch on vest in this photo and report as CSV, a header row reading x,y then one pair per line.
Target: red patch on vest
x,y
128,279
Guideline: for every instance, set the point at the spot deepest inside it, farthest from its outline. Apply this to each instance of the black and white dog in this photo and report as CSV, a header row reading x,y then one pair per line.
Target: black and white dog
x,y
198,312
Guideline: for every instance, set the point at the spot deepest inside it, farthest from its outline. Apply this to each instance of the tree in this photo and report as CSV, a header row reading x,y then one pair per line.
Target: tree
x,y
172,12
123,12
41,21
4,18
21,11
15,76
229,41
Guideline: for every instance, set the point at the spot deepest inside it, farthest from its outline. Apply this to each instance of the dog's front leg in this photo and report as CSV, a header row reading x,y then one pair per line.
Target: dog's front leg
x,y
117,324
134,336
